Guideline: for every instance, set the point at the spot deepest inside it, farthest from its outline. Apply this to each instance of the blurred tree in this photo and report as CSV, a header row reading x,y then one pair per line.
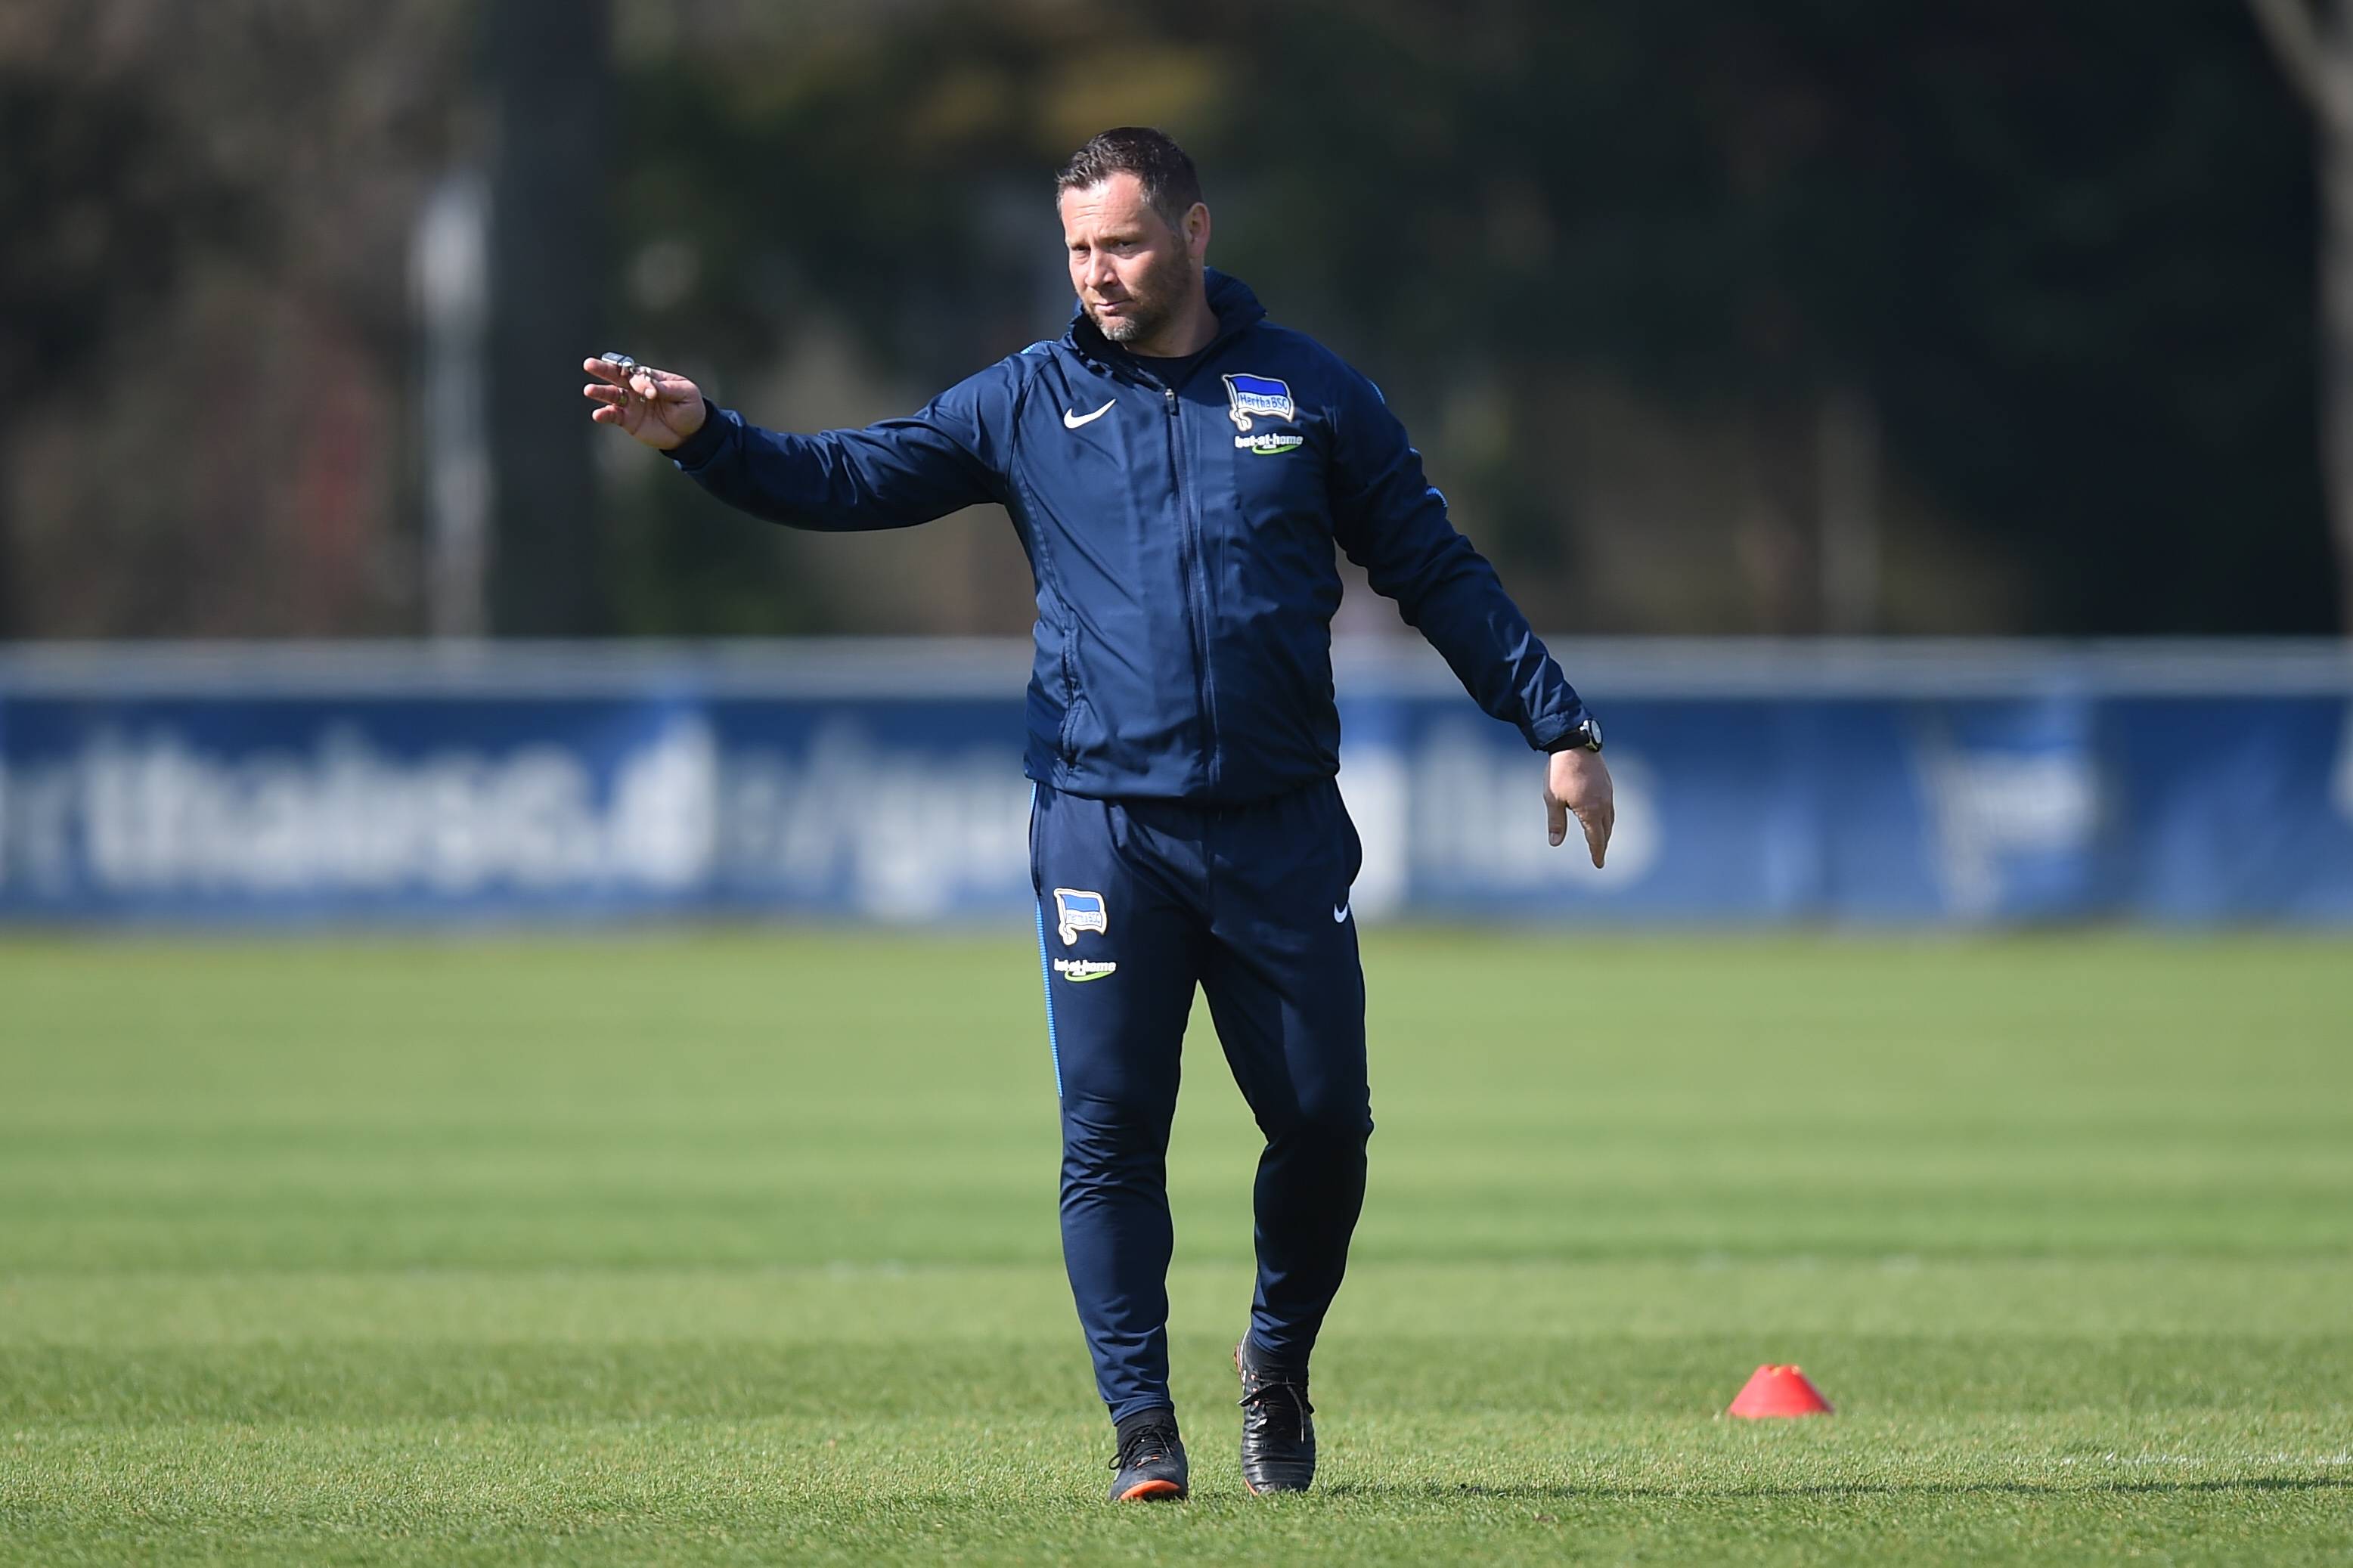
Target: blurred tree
x,y
2060,247
101,203
2314,42
226,460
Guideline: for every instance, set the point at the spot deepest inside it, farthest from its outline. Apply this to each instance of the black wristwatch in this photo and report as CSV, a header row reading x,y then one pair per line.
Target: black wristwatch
x,y
1583,735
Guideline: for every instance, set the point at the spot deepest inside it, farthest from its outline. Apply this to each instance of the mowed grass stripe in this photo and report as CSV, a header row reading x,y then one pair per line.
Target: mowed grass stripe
x,y
1400,1490
963,1229
848,1304
749,1101
1568,1377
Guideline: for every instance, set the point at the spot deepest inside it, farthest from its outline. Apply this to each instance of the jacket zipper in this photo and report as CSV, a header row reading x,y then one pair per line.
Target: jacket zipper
x,y
1191,551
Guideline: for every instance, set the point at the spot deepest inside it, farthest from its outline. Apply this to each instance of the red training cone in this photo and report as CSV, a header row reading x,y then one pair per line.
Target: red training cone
x,y
1779,1391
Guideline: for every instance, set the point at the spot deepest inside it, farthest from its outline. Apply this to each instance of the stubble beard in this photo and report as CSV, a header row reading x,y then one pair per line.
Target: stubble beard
x,y
1127,329
1150,309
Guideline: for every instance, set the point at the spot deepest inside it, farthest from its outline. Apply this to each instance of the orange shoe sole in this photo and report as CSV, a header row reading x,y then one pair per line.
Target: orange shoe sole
x,y
1151,1491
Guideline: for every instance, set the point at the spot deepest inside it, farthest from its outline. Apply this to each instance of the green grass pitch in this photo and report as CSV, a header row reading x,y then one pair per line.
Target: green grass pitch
x,y
740,1248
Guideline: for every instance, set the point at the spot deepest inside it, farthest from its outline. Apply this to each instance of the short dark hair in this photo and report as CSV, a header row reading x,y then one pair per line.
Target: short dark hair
x,y
1170,182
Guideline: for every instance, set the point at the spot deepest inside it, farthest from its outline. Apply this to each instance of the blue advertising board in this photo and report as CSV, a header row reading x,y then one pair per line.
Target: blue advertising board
x,y
1841,783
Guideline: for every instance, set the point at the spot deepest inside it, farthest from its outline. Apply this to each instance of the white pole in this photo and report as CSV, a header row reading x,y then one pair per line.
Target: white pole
x,y
449,269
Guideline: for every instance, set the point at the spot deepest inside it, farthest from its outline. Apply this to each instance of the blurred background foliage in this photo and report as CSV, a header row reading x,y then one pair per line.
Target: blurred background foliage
x,y
1675,296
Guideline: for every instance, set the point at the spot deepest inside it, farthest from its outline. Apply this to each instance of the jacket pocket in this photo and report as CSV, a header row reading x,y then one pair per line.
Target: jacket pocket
x,y
1066,744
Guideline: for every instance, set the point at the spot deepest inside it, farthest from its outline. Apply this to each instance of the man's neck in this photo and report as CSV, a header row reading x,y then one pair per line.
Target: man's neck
x,y
1187,334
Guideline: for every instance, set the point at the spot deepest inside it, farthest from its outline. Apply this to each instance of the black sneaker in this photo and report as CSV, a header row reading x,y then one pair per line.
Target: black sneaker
x,y
1151,1462
1278,1434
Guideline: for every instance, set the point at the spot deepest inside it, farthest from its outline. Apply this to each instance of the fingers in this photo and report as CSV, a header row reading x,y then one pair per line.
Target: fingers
x,y
1597,821
643,380
612,404
1556,818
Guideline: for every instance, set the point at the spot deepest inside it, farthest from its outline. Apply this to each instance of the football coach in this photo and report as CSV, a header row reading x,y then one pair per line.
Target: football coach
x,y
1179,468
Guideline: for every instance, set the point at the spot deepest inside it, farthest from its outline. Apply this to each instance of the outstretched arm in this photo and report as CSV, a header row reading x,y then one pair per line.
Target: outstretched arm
x,y
1392,521
890,475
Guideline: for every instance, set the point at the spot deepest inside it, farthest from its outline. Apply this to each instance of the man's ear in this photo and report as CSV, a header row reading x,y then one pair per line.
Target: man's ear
x,y
1196,230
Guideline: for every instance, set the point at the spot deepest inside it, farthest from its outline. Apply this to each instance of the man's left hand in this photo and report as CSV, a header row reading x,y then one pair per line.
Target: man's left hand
x,y
1577,781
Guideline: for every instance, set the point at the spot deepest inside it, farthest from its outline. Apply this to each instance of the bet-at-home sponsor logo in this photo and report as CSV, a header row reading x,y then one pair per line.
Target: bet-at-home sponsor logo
x,y
1078,969
1267,441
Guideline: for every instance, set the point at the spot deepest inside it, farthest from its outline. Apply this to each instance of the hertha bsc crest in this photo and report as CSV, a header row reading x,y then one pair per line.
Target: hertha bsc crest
x,y
1076,909
1249,397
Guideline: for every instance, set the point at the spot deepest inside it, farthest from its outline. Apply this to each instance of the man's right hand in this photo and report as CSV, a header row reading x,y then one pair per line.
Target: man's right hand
x,y
1577,783
657,407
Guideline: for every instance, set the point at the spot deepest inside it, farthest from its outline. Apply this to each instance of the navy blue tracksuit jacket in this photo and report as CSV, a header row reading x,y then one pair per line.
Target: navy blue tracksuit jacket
x,y
1182,540
1180,519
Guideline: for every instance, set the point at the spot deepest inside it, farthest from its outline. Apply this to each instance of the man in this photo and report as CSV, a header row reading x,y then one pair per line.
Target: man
x,y
1179,469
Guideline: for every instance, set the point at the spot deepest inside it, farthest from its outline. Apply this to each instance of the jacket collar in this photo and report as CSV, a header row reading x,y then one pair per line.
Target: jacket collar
x,y
1230,300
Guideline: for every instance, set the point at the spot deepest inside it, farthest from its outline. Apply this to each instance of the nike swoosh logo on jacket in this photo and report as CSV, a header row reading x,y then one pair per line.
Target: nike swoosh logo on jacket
x,y
1189,659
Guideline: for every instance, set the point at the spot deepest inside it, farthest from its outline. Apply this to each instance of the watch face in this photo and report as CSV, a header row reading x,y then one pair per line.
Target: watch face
x,y
1592,728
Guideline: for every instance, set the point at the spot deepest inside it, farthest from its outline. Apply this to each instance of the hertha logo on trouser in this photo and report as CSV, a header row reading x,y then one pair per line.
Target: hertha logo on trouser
x,y
1139,902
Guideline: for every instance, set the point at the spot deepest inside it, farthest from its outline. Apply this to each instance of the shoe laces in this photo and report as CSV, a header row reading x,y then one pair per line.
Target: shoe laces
x,y
1278,1402
1153,1441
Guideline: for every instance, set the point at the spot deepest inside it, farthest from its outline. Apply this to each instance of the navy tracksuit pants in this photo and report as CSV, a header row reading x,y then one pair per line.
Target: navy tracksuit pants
x,y
1139,901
